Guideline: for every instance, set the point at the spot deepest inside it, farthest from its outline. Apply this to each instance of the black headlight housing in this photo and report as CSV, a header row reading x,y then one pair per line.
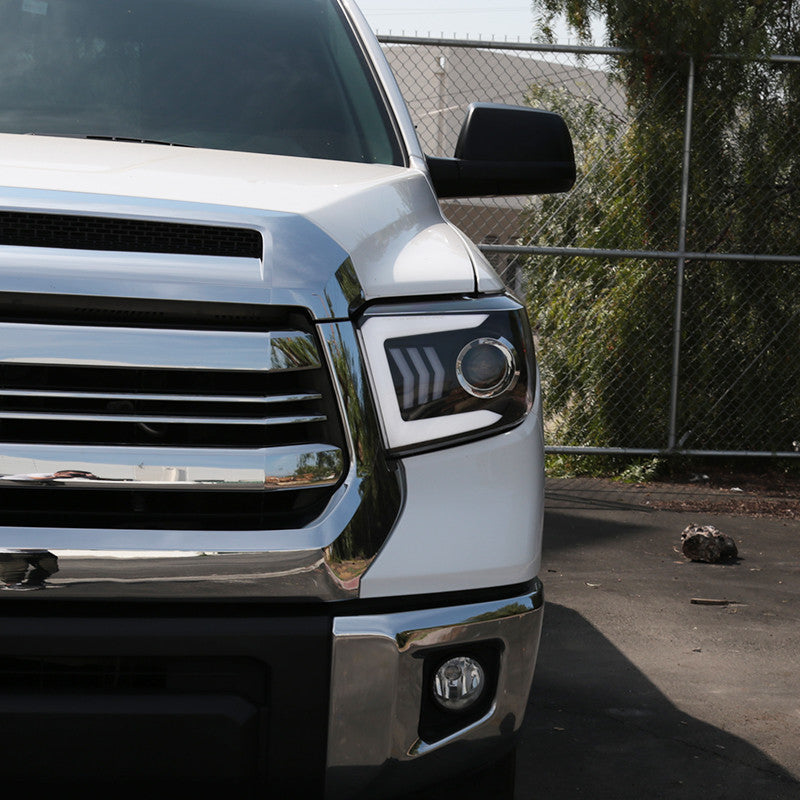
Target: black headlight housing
x,y
447,372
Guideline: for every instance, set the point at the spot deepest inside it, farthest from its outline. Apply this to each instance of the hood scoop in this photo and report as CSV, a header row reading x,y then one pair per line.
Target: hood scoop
x,y
77,232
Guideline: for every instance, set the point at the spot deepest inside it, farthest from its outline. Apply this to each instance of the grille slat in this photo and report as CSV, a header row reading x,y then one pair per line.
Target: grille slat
x,y
163,420
274,468
172,398
80,415
164,348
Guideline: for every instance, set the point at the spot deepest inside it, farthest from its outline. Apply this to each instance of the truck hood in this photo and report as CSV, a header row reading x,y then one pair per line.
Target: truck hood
x,y
384,220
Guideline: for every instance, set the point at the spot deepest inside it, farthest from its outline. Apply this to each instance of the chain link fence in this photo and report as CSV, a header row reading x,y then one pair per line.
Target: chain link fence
x,y
664,289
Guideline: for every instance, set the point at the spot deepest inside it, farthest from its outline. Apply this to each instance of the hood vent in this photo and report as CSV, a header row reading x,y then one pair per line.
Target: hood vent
x,y
70,232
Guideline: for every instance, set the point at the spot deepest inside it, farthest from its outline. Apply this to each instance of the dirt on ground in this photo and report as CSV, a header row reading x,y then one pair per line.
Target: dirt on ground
x,y
757,492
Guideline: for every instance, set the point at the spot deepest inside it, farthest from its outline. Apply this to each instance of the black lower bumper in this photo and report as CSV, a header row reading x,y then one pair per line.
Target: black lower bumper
x,y
251,700
214,703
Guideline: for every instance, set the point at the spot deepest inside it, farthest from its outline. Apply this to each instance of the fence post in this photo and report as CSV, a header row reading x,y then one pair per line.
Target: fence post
x,y
681,262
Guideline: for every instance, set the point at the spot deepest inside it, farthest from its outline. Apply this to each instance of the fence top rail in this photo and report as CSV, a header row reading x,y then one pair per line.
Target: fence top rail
x,y
504,44
669,255
545,47
645,451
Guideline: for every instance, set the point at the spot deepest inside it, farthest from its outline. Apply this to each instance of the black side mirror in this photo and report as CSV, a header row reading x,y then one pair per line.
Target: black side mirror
x,y
506,150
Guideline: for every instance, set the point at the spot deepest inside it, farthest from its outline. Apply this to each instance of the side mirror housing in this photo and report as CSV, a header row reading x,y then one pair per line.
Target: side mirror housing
x,y
506,150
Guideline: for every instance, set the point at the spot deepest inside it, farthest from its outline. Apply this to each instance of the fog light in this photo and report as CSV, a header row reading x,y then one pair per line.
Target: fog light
x,y
486,367
458,683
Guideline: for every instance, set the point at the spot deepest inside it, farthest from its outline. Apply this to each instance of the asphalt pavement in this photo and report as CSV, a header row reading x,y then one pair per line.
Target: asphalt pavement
x,y
641,693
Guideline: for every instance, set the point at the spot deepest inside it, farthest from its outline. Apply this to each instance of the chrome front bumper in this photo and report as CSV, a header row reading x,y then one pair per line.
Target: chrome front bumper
x,y
378,691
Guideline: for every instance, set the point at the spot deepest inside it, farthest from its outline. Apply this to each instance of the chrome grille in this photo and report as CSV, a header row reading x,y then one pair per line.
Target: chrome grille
x,y
111,386
141,412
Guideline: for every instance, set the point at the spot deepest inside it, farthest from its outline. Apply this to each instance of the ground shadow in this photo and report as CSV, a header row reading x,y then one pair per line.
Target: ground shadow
x,y
597,727
599,496
569,531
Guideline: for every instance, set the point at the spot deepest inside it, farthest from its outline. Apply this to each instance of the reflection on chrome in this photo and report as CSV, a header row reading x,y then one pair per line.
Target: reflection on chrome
x,y
296,397
162,419
323,560
275,468
273,351
170,575
343,292
378,481
374,722
26,570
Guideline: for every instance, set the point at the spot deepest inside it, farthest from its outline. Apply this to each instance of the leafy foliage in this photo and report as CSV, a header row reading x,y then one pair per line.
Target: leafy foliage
x,y
605,326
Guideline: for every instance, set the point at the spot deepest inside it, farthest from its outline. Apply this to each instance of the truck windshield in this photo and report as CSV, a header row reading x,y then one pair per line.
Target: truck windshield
x,y
267,76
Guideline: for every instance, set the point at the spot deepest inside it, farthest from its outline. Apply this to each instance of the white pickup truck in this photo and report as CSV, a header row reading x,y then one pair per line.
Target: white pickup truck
x,y
270,426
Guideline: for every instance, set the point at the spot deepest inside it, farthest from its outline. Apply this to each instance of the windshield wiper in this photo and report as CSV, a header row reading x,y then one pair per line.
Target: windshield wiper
x,y
134,140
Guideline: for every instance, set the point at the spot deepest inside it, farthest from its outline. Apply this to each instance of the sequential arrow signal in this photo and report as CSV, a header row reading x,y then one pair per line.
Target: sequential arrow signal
x,y
424,376
407,375
438,373
423,381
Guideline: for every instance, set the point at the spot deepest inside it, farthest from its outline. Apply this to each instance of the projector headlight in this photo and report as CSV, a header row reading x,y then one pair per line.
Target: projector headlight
x,y
445,372
487,367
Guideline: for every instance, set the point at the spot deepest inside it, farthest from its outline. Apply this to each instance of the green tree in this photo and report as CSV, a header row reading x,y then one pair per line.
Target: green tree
x,y
606,327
